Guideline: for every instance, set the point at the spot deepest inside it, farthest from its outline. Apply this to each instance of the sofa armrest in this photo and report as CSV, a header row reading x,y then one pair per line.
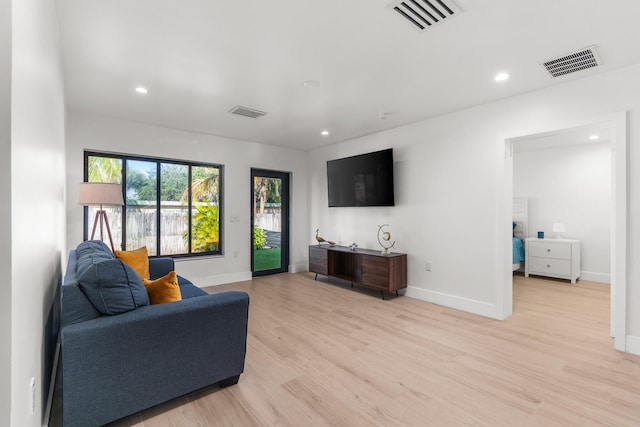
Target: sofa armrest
x,y
114,366
159,267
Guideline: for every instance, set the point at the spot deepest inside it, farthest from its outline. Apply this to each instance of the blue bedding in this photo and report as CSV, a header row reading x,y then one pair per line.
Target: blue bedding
x,y
518,250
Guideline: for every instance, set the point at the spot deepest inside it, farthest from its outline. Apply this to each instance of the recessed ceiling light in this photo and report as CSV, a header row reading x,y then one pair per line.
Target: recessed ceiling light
x,y
324,133
594,137
500,77
384,115
310,83
142,90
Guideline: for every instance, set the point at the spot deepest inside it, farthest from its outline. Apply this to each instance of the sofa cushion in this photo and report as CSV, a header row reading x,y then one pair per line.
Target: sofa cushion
x,y
75,306
188,289
93,247
90,252
164,289
138,259
112,286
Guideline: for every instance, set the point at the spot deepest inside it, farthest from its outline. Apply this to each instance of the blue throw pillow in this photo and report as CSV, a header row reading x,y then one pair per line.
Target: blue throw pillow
x,y
112,286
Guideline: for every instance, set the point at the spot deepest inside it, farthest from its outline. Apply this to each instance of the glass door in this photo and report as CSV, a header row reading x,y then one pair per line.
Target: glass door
x,y
269,222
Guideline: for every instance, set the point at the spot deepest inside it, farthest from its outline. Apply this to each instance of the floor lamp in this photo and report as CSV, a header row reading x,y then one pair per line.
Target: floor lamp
x,y
100,194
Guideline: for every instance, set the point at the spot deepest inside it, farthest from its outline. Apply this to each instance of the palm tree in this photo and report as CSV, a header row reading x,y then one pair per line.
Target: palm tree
x,y
203,189
104,169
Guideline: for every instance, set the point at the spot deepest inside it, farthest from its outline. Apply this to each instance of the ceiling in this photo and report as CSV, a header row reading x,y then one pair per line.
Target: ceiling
x,y
200,58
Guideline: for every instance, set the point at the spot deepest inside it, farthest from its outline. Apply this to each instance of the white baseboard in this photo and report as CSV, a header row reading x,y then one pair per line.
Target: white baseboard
x,y
221,279
595,277
465,304
633,344
298,268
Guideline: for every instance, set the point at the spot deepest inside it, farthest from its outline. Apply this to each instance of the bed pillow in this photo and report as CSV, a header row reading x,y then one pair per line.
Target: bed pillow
x,y
138,259
164,289
112,287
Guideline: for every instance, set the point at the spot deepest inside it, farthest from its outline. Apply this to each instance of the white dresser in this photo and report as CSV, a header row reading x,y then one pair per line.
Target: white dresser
x,y
559,258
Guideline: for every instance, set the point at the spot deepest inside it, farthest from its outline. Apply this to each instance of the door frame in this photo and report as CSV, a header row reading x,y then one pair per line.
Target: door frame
x,y
619,205
285,218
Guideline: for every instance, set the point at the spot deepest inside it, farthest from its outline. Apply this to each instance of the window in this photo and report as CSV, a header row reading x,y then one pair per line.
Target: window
x,y
172,207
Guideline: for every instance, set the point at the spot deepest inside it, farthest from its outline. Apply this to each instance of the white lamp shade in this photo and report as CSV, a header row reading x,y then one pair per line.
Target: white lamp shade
x,y
100,193
558,227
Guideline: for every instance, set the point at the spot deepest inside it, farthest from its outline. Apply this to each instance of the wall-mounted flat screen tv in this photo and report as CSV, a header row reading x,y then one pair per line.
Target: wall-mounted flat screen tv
x,y
364,180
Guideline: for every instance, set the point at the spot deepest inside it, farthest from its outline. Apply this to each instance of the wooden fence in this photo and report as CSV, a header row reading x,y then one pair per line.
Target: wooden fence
x,y
141,228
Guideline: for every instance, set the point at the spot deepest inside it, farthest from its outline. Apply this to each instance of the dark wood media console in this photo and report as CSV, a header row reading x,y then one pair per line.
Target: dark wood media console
x,y
365,267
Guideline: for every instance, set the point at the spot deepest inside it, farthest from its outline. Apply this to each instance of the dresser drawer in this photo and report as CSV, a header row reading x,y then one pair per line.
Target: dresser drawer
x,y
546,266
550,250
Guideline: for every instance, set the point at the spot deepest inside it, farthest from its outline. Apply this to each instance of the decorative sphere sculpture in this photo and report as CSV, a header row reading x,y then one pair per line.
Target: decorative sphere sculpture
x,y
384,238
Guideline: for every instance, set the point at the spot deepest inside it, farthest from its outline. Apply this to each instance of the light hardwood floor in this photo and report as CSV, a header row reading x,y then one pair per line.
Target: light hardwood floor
x,y
321,353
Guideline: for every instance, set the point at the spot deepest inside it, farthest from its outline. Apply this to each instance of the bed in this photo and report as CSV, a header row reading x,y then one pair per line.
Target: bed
x,y
520,231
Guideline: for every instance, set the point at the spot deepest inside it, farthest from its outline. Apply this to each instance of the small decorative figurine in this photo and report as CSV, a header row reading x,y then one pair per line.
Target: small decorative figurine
x,y
385,236
322,240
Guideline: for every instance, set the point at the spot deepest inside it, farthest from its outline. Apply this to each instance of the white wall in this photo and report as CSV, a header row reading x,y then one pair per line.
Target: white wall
x,y
570,184
94,132
451,183
37,195
5,211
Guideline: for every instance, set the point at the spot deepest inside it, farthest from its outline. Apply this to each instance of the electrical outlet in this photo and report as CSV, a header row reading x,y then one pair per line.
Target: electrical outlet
x,y
427,266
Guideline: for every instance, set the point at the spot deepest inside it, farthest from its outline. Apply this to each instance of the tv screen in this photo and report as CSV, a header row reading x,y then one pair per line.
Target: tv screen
x,y
364,180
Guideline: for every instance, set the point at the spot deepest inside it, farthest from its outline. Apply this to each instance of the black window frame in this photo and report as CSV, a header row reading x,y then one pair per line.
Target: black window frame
x,y
159,161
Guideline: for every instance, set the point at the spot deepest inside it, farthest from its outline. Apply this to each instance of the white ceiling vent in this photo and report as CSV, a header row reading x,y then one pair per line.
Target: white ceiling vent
x,y
247,112
424,14
573,62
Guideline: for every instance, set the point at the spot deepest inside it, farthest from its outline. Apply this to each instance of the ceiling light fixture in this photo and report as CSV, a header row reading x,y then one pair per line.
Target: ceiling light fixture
x,y
142,90
500,77
324,133
384,115
310,83
594,137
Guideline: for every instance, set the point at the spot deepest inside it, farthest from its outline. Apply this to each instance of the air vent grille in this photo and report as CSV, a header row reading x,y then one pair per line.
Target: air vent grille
x,y
424,14
573,62
247,112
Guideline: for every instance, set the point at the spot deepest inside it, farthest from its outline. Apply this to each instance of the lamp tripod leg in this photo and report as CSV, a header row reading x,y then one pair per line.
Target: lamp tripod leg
x,y
95,223
106,222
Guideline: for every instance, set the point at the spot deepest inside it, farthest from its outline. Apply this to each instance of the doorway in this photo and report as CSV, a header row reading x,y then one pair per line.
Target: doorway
x,y
269,222
619,251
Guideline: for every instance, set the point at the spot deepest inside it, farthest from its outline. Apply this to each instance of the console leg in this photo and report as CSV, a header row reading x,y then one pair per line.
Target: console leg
x,y
397,293
316,277
352,284
382,294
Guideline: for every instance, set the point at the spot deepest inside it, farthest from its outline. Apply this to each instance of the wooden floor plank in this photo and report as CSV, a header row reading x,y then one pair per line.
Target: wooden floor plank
x,y
320,353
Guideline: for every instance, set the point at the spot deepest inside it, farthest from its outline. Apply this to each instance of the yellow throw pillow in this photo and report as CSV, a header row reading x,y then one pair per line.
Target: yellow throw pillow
x,y
137,259
164,289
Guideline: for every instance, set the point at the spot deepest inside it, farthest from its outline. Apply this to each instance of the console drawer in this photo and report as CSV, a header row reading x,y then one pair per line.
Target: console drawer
x,y
549,266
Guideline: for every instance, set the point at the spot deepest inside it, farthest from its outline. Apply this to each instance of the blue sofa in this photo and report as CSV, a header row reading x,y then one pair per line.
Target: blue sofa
x,y
116,365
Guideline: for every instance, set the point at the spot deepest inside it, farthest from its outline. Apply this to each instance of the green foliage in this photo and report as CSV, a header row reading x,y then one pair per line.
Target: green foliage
x,y
273,190
204,184
173,181
140,185
205,230
259,237
266,190
104,169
